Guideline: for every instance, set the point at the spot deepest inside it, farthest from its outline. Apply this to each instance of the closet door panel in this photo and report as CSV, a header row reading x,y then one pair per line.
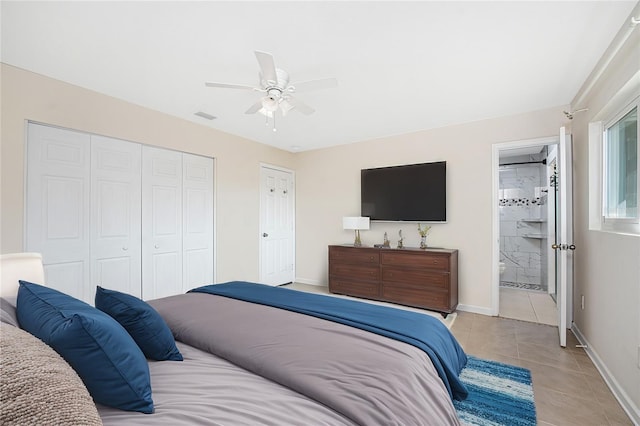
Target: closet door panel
x,y
57,205
116,203
162,222
118,214
164,276
198,221
68,277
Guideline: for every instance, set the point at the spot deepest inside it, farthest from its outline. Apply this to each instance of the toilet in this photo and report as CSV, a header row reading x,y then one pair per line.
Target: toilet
x,y
502,267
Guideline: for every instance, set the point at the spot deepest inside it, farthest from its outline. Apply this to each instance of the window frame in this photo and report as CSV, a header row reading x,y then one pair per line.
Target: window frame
x,y
617,224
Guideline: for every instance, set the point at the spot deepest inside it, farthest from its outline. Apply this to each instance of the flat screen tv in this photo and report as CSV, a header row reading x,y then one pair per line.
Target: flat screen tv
x,y
412,192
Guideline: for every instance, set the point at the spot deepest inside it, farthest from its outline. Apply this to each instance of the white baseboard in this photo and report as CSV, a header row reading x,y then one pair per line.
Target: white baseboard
x,y
625,401
475,309
310,282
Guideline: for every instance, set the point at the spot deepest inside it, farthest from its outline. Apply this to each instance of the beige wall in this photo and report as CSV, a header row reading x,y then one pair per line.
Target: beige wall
x,y
327,181
28,96
607,265
328,188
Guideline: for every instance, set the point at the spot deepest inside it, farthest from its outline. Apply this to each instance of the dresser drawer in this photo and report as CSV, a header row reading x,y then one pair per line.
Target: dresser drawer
x,y
425,260
350,255
421,278
416,296
365,272
356,288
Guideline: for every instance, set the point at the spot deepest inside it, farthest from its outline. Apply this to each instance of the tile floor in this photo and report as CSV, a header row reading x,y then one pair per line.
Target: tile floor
x,y
525,305
568,389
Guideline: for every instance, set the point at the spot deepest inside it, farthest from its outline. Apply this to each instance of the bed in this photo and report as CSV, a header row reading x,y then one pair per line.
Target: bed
x,y
253,354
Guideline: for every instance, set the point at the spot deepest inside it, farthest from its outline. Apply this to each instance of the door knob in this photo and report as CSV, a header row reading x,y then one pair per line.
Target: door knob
x,y
125,248
156,246
264,234
563,247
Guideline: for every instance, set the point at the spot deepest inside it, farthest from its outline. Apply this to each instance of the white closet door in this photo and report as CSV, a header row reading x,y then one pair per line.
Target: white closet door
x,y
57,210
116,215
161,222
197,224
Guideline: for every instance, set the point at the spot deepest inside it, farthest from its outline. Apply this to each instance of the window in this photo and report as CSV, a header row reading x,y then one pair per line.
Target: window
x,y
620,167
614,166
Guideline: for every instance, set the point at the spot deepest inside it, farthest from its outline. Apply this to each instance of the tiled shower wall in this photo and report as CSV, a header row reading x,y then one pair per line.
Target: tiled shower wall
x,y
523,226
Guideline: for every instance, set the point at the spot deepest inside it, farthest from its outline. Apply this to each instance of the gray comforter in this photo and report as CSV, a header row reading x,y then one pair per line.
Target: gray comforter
x,y
306,370
207,390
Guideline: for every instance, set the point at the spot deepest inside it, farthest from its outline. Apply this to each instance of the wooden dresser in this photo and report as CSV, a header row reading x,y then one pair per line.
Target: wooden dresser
x,y
414,277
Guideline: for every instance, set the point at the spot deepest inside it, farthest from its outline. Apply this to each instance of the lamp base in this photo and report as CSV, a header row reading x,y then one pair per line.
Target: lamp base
x,y
357,242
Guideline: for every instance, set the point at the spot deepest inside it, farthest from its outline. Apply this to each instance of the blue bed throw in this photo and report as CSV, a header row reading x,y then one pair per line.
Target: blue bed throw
x,y
422,331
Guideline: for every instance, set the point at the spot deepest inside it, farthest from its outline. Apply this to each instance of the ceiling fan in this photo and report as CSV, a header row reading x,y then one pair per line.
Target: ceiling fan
x,y
278,92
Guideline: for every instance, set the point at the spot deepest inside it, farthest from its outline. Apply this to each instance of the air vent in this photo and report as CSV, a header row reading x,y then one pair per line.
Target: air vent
x,y
205,115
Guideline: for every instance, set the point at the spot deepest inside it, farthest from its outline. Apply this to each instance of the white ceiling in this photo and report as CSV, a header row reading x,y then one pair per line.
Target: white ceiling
x,y
401,66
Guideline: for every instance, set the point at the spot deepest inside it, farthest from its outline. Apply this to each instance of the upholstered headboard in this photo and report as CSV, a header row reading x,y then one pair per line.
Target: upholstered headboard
x,y
19,266
38,385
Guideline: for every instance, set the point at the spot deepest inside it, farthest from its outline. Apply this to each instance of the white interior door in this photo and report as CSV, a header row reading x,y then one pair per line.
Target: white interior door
x,y
161,222
564,247
276,226
197,224
116,215
57,206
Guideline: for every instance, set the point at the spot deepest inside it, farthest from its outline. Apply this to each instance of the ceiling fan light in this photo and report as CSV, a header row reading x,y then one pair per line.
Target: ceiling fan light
x,y
266,112
269,103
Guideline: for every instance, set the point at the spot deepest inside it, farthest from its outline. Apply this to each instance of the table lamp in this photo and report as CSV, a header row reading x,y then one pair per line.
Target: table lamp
x,y
356,223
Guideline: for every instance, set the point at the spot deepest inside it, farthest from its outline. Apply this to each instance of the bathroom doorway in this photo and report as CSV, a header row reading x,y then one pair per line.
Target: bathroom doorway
x,y
525,173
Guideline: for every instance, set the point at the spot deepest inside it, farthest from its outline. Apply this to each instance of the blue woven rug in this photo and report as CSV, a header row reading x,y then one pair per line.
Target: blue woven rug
x,y
499,394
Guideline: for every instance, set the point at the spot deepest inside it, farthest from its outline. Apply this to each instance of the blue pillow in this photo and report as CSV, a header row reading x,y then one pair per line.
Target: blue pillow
x,y
143,323
111,365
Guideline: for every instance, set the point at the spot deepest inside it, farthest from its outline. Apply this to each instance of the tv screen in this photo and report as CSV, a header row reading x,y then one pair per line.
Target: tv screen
x,y
413,192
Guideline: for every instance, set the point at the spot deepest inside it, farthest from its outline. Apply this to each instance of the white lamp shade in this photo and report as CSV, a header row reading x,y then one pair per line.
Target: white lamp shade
x,y
356,222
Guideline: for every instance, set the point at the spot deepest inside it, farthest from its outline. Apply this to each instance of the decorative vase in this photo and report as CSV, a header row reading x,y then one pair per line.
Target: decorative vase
x,y
423,241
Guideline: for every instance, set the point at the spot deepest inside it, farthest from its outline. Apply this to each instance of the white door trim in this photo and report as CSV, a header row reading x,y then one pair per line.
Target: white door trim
x,y
495,211
293,216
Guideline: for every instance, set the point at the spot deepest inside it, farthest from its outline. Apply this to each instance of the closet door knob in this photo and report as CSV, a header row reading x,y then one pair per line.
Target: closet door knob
x,y
156,246
125,248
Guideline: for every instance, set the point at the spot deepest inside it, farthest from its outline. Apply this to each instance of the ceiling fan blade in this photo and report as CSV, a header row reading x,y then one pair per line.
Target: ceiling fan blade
x,y
285,107
267,66
254,108
304,86
300,106
229,86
